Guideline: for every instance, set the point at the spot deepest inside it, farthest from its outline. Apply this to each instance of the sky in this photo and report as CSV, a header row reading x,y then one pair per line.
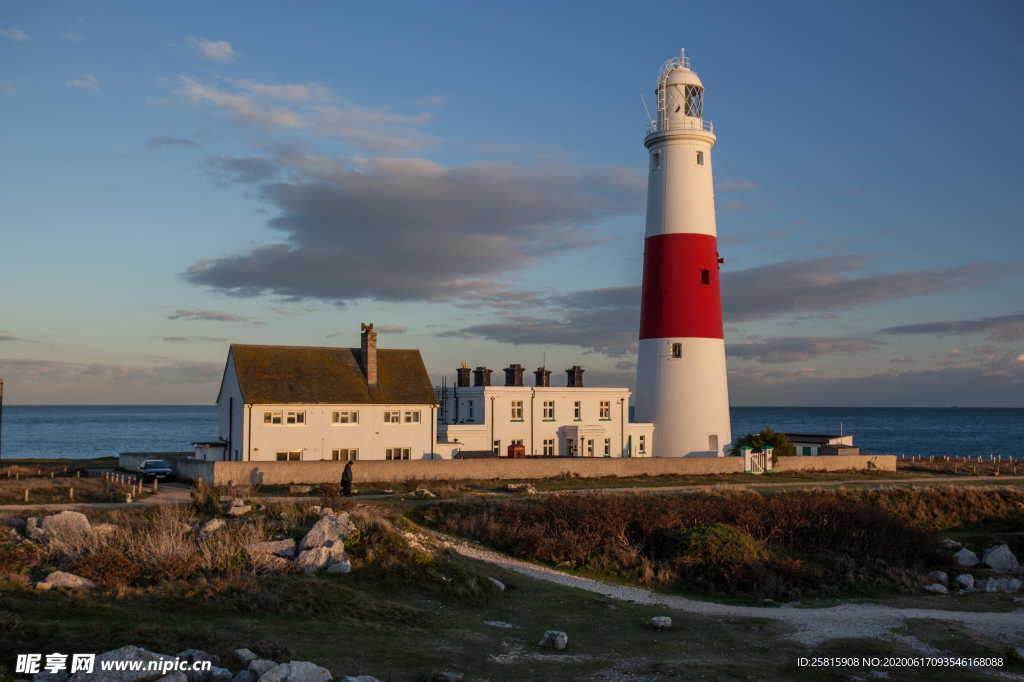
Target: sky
x,y
471,178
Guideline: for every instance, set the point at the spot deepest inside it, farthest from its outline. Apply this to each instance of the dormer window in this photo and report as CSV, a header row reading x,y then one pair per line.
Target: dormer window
x,y
700,158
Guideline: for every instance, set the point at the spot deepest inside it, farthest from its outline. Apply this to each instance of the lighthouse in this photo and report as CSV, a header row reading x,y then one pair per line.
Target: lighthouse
x,y
681,379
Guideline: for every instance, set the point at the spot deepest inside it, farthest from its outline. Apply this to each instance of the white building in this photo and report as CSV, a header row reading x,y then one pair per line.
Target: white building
x,y
554,421
813,444
297,403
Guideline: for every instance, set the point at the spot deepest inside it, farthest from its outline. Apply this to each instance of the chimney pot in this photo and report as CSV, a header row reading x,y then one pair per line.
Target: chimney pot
x,y
481,376
462,375
543,376
574,377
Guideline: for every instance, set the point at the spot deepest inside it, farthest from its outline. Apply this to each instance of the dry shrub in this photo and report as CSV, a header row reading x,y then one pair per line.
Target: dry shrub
x,y
19,557
741,542
110,567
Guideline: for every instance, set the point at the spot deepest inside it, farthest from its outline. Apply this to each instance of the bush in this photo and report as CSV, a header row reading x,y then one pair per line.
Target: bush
x,y
718,543
781,447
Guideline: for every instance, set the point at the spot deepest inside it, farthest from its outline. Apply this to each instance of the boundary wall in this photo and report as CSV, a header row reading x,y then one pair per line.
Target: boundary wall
x,y
279,473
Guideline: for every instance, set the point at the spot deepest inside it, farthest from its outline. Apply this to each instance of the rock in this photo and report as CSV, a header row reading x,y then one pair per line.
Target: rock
x,y
300,489
212,526
193,655
423,493
1012,585
271,563
448,676
497,583
661,623
500,624
59,676
1000,558
68,581
217,674
245,655
938,577
34,528
554,639
524,488
966,557
359,678
281,548
965,581
244,676
69,528
329,529
937,588
296,671
989,585
950,543
261,665
340,567
125,653
176,676
312,560
241,510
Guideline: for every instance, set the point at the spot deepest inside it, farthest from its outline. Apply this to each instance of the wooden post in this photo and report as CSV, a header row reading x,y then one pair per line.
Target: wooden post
x,y
71,494
156,486
26,494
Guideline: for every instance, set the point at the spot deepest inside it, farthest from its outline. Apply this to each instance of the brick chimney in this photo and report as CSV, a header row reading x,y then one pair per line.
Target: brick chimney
x,y
514,375
574,376
462,375
481,376
369,353
543,376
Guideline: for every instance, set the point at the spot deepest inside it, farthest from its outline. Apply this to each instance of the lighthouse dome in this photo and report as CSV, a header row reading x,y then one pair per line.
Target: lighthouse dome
x,y
682,76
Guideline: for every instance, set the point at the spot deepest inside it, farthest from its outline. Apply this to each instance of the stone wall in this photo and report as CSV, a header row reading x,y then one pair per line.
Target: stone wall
x,y
186,466
275,473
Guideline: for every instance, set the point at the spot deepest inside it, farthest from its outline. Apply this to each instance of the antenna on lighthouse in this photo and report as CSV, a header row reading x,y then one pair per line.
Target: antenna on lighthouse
x,y
650,119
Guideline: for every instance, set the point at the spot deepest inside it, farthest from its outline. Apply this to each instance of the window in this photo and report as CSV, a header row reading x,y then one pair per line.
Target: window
x,y
517,441
705,277
570,447
345,455
349,417
549,409
656,161
694,95
517,410
396,453
606,409
392,417
700,158
590,448
607,447
412,417
295,418
713,442
677,350
290,456
470,410
549,447
577,410
272,417
643,445
497,448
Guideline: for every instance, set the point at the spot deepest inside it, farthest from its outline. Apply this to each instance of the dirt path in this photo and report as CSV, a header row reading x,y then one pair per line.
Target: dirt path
x,y
170,493
810,626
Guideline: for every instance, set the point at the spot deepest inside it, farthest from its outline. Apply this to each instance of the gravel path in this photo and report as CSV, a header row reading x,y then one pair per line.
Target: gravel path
x,y
810,626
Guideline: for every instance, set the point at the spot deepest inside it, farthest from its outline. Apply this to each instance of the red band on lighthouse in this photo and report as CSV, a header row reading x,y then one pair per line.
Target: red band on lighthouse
x,y
681,296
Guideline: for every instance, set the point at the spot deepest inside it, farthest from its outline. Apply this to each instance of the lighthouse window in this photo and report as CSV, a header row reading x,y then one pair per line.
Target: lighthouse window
x,y
694,100
705,277
677,350
656,161
700,158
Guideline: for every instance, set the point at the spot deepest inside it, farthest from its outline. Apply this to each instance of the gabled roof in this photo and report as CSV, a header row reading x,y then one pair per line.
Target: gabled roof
x,y
307,374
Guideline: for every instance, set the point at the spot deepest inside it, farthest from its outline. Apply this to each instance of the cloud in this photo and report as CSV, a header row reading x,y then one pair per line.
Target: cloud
x,y
736,185
194,339
799,349
251,169
15,34
208,315
72,36
215,50
412,230
391,329
7,87
293,92
158,142
998,328
819,284
86,82
8,337
313,108
902,360
752,237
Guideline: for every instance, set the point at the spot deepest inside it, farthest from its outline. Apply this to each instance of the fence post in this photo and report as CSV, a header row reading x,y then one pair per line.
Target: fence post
x,y
26,494
156,486
71,494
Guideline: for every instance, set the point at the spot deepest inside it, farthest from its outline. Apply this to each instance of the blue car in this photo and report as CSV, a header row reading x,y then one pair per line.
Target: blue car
x,y
156,469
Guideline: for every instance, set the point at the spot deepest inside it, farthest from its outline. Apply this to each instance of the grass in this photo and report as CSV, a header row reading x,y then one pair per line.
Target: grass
x,y
44,490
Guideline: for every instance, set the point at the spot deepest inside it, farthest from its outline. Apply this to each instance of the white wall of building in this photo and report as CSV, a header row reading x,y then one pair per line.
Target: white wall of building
x,y
548,423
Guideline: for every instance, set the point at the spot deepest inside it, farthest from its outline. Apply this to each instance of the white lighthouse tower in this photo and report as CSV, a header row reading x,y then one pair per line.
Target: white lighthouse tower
x,y
681,380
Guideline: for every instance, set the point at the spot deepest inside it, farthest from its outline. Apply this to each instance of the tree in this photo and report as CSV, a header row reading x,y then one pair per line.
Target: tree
x,y
781,447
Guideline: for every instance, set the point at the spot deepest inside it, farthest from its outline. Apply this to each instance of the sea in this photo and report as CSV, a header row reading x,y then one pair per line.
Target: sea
x,y
83,431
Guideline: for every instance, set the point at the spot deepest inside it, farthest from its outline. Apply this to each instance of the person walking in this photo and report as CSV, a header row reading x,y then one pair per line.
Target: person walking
x,y
346,480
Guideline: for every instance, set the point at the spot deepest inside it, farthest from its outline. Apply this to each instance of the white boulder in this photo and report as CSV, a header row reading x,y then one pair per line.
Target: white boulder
x,y
245,655
965,581
281,548
329,529
937,588
1000,558
68,581
344,566
296,671
661,623
966,558
938,577
212,526
497,583
261,665
554,639
125,653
